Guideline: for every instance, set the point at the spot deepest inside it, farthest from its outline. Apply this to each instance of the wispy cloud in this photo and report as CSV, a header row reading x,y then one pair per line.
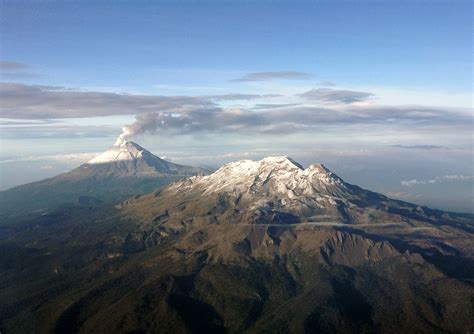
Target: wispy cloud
x,y
265,76
327,95
7,65
18,123
75,157
236,97
404,195
15,70
39,102
327,84
417,147
56,131
437,179
20,101
274,105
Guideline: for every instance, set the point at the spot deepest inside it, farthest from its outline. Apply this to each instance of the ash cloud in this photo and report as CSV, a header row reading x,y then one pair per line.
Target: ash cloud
x,y
279,121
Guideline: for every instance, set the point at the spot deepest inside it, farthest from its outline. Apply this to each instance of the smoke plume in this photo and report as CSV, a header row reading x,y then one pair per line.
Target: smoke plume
x,y
286,119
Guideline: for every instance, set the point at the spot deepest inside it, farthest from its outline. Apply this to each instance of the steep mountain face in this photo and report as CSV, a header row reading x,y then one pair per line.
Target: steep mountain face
x,y
256,247
125,169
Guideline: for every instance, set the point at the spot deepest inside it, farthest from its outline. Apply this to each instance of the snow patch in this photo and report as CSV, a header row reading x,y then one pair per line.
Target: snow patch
x,y
124,151
277,174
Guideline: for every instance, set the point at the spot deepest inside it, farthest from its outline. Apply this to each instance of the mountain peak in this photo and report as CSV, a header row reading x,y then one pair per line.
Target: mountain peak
x,y
281,160
274,165
128,159
274,176
270,162
125,150
319,168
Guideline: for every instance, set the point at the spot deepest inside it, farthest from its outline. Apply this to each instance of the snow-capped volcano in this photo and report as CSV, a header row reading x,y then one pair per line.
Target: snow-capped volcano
x,y
127,158
124,150
125,169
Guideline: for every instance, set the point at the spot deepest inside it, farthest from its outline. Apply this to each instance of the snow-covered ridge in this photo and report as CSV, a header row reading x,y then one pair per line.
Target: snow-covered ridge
x,y
277,174
123,151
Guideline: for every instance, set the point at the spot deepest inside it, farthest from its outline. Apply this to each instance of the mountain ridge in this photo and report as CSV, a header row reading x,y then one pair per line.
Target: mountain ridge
x,y
278,190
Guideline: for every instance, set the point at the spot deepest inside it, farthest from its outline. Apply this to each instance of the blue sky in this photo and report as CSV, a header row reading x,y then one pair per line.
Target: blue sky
x,y
380,91
424,44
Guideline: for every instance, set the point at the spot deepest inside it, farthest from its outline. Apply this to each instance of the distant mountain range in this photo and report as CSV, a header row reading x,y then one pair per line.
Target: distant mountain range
x,y
124,170
255,247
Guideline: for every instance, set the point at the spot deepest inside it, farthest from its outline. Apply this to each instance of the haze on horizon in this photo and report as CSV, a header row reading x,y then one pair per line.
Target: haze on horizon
x,y
380,92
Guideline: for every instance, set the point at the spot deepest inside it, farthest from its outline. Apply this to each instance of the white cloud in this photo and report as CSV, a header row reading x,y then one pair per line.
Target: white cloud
x,y
74,157
328,95
437,179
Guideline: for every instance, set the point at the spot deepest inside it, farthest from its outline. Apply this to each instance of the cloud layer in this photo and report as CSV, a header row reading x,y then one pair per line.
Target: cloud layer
x,y
284,120
22,101
317,110
38,102
327,95
438,179
418,147
15,70
74,157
